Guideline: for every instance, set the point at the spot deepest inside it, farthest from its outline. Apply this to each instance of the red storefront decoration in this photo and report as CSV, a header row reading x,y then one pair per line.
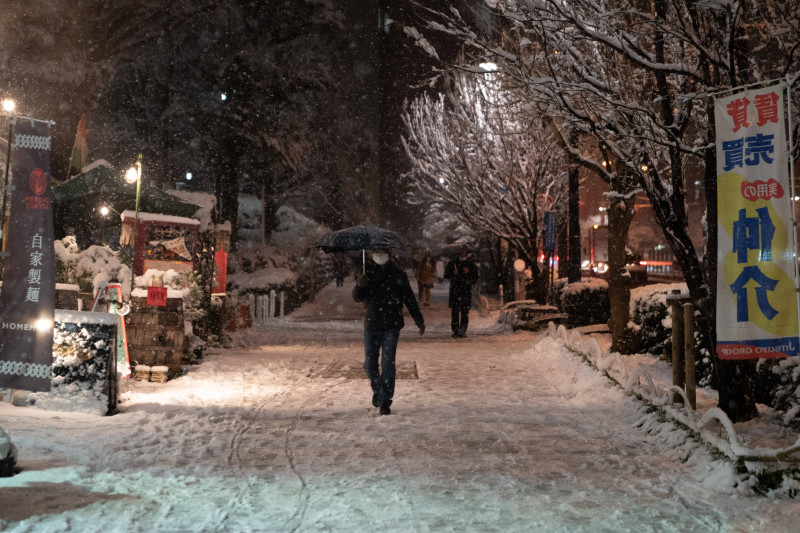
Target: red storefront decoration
x,y
163,242
220,272
157,296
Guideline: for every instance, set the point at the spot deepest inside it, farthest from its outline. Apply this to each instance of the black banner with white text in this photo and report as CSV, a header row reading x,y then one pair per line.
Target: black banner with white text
x,y
27,298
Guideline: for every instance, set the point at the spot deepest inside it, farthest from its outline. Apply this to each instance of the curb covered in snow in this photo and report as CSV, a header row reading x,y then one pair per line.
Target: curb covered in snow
x,y
640,383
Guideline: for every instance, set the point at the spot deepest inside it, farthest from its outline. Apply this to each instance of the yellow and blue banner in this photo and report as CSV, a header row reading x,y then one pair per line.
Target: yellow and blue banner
x,y
757,306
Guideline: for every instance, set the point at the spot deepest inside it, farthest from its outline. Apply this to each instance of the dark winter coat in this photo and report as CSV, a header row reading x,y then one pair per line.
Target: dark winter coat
x,y
386,291
462,274
426,273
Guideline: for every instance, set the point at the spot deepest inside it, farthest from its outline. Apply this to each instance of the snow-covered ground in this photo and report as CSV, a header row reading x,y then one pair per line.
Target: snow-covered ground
x,y
500,432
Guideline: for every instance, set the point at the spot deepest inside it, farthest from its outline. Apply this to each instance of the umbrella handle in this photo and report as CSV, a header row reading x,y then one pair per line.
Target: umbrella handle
x,y
363,261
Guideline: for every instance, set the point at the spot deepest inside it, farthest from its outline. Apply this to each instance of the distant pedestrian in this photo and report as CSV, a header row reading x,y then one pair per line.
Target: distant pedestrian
x,y
340,268
425,274
384,289
462,274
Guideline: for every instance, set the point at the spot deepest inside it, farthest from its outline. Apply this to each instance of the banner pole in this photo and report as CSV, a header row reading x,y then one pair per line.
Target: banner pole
x,y
794,201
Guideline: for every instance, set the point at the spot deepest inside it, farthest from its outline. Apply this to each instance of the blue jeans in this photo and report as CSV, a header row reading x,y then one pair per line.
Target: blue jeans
x,y
383,343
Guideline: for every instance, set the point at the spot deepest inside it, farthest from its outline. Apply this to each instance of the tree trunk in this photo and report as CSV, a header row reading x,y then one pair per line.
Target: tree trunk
x,y
574,253
620,215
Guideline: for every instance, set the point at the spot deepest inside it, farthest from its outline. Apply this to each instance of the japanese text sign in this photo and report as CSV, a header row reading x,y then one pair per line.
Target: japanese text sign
x,y
756,297
27,300
550,230
157,296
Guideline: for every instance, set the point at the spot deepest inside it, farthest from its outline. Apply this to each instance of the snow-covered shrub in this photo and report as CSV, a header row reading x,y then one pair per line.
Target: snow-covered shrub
x,y
650,316
8,454
82,361
586,302
90,268
776,382
186,283
289,264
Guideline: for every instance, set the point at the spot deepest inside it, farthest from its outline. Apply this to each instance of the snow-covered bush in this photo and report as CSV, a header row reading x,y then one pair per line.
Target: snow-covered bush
x,y
289,264
776,382
90,268
8,454
586,302
187,284
650,316
82,357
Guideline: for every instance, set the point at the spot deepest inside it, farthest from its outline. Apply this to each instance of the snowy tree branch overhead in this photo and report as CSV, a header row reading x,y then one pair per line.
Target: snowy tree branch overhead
x,y
474,151
636,78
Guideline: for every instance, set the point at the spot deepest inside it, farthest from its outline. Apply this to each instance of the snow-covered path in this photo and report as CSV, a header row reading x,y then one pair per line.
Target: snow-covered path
x,y
499,433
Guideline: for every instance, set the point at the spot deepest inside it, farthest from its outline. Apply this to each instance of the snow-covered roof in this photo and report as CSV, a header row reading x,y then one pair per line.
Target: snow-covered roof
x,y
95,164
155,217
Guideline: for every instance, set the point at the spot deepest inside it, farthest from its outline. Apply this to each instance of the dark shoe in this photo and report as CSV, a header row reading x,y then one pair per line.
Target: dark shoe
x,y
384,410
455,334
375,400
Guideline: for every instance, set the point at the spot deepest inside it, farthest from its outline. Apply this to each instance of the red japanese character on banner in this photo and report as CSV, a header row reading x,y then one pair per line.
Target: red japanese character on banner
x,y
761,190
157,296
737,109
767,107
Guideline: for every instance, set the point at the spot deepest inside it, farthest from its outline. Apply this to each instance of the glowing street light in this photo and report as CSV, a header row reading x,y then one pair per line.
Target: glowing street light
x,y
8,106
134,175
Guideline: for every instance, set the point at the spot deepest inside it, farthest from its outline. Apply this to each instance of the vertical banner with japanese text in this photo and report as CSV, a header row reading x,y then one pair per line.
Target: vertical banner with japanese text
x,y
27,299
756,297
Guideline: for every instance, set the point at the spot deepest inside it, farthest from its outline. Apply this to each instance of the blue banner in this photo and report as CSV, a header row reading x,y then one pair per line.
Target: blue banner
x,y
550,221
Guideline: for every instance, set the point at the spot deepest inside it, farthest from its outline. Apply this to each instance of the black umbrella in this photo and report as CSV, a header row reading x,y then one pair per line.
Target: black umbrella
x,y
360,238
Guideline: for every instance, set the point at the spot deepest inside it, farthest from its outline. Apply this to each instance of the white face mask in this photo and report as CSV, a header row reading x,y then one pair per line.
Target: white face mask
x,y
380,258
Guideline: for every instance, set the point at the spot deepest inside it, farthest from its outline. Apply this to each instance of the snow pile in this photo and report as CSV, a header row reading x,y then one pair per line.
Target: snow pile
x,y
294,231
261,278
205,201
259,267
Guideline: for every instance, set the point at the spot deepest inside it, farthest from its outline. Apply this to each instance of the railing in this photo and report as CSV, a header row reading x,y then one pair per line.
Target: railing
x,y
266,308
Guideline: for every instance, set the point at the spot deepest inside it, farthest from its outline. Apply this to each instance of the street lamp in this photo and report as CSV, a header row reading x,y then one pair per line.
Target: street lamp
x,y
8,107
134,175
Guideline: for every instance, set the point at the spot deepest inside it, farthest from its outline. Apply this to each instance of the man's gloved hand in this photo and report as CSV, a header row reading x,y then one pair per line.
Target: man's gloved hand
x,y
363,281
422,329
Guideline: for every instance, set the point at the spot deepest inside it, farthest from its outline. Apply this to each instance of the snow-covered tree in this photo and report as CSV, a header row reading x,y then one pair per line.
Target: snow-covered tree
x,y
475,153
636,76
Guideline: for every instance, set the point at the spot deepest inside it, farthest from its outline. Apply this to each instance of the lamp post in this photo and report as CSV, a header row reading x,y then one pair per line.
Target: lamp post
x,y
8,107
134,174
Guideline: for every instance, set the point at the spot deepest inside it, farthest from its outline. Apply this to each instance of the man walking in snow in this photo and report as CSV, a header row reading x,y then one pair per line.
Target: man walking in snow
x,y
384,289
462,273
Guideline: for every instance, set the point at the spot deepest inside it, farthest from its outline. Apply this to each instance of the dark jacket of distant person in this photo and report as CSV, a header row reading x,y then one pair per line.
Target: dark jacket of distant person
x,y
462,273
384,296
